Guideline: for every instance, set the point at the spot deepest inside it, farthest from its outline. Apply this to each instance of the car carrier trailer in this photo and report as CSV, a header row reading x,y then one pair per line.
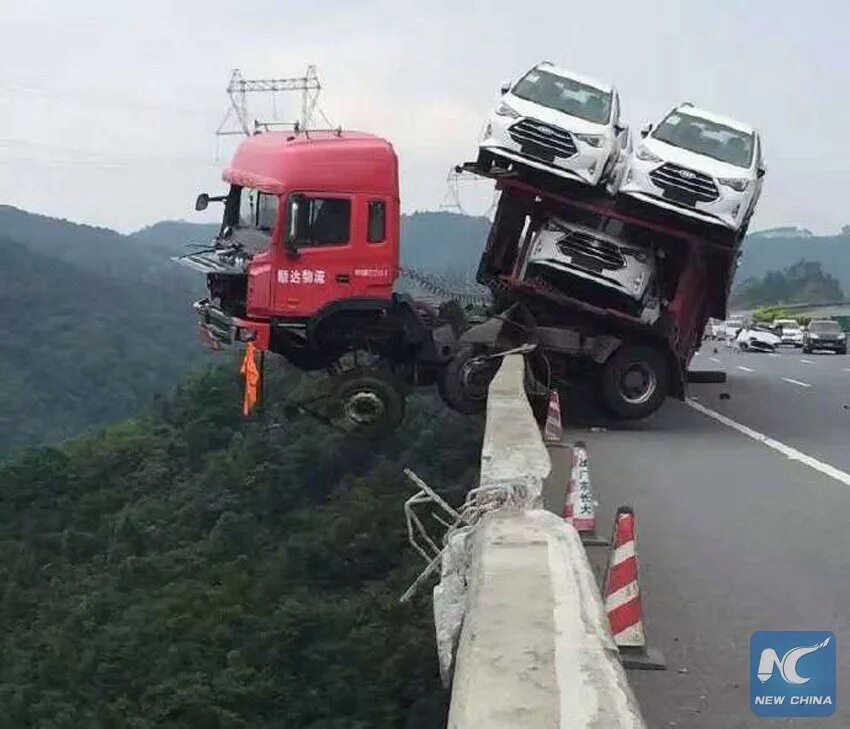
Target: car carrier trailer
x,y
307,258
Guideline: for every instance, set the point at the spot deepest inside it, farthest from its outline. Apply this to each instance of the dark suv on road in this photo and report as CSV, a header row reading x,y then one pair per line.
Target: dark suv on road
x,y
824,334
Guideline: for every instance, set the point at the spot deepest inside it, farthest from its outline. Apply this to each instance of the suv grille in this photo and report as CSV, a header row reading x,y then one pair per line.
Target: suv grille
x,y
586,245
684,185
534,135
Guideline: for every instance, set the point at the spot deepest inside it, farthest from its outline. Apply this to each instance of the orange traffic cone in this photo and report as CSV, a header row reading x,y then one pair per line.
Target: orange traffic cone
x,y
622,597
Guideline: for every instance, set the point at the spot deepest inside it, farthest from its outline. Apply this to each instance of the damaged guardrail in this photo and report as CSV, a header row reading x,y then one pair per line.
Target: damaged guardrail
x,y
521,629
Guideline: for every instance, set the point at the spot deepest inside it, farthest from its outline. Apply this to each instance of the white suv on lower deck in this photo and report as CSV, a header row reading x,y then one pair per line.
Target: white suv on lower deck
x,y
591,265
556,121
700,165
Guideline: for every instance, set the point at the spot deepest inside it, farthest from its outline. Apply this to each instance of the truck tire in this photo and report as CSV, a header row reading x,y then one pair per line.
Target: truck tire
x,y
464,381
635,382
368,403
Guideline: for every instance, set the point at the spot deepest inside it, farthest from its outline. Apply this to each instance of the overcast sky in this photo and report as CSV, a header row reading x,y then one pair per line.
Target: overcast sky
x,y
109,107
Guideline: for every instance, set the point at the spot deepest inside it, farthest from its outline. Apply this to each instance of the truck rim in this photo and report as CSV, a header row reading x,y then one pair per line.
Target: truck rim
x,y
637,383
475,377
364,407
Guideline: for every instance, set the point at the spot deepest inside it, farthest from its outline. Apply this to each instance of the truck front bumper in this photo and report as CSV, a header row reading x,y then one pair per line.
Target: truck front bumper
x,y
218,329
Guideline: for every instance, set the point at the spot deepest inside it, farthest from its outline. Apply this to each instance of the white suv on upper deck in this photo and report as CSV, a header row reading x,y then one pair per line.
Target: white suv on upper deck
x,y
699,164
556,121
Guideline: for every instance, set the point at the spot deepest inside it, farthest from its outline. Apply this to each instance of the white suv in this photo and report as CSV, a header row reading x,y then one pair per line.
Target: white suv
x,y
594,266
700,165
556,121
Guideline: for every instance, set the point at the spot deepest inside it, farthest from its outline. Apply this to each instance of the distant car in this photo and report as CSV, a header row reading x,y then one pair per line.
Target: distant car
x,y
716,329
789,331
557,121
757,338
731,327
824,334
700,165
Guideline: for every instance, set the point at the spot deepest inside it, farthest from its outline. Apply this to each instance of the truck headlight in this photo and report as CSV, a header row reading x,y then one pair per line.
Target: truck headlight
x,y
738,184
594,140
842,337
504,110
644,154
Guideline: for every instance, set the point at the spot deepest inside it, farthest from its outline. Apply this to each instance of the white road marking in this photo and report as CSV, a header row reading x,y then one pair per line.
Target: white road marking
x,y
773,354
796,382
714,359
807,361
746,369
785,450
847,369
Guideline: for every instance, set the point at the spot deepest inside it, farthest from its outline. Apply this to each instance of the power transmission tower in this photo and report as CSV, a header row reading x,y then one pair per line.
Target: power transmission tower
x,y
237,119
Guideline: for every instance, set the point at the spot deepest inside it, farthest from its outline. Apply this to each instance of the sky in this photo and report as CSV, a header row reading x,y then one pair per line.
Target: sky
x,y
109,108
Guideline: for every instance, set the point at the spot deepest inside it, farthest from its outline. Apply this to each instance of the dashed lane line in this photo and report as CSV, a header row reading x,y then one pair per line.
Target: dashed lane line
x,y
746,369
796,382
714,359
785,450
806,361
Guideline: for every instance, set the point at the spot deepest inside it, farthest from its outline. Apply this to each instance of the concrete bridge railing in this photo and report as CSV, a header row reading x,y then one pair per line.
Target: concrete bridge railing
x,y
520,620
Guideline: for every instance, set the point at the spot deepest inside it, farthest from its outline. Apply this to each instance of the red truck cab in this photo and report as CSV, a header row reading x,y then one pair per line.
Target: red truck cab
x,y
326,205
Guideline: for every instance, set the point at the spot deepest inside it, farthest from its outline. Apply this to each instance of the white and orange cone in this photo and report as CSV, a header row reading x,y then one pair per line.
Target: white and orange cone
x,y
622,597
553,430
580,507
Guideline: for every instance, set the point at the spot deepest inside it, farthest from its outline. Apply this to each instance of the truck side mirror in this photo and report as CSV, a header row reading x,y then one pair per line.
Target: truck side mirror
x,y
645,130
202,202
505,87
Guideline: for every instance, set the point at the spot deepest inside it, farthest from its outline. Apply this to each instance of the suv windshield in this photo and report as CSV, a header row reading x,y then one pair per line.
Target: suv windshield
x,y
824,327
706,137
564,94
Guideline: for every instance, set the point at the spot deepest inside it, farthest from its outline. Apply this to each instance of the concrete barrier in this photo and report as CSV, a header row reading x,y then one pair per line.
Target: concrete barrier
x,y
534,649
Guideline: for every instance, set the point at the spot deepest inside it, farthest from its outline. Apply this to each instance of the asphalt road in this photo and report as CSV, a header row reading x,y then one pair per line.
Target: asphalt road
x,y
733,535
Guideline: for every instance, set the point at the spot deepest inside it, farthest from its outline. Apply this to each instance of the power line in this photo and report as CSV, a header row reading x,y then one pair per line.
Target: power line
x,y
111,102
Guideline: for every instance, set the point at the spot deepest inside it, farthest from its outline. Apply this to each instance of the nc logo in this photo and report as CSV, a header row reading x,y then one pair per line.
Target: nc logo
x,y
788,664
792,673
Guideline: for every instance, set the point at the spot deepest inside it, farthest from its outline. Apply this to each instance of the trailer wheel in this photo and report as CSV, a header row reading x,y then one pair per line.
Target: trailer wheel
x,y
367,403
635,382
464,381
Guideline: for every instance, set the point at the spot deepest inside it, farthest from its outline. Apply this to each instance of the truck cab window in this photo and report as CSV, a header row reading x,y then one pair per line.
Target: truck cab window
x,y
320,221
377,221
257,210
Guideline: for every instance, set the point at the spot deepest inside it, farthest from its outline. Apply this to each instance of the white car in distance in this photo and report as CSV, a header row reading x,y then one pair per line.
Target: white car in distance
x,y
700,165
557,121
789,331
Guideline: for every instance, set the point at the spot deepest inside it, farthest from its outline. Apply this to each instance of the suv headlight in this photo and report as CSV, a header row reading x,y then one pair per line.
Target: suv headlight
x,y
738,184
644,154
842,337
504,110
594,140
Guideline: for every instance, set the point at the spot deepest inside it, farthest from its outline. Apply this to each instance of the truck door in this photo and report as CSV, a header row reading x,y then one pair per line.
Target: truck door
x,y
315,264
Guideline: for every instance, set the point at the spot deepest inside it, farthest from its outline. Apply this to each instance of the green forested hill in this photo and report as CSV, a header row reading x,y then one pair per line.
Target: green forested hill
x,y
189,569
81,348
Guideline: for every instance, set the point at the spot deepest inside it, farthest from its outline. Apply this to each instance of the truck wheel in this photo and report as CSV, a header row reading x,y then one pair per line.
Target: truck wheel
x,y
464,381
635,382
368,403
